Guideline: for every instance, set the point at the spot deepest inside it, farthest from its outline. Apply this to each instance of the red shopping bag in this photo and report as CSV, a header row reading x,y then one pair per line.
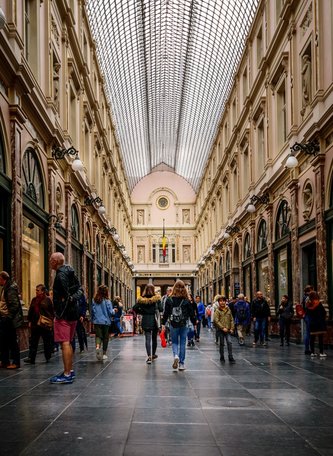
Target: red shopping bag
x,y
300,312
163,339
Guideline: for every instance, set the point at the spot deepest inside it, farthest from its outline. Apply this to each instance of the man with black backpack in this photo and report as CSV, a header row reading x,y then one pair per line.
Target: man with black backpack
x,y
66,294
242,317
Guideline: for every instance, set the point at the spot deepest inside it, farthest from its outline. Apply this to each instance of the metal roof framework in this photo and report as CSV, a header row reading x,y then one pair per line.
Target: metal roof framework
x,y
169,67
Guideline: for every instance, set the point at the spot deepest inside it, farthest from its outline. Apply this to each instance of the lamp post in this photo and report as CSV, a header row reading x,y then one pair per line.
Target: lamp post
x,y
264,199
90,201
58,154
309,148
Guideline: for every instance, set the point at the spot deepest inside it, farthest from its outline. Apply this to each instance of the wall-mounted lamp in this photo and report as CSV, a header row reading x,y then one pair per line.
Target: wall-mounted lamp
x,y
110,230
211,252
310,148
116,237
59,154
56,220
264,199
90,201
230,230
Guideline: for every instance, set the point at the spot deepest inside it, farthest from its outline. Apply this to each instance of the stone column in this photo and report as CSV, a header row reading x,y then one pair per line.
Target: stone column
x,y
295,269
270,240
16,120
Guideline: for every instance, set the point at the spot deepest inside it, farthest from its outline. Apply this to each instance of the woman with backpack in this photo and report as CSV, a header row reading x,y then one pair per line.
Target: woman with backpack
x,y
242,317
149,306
178,309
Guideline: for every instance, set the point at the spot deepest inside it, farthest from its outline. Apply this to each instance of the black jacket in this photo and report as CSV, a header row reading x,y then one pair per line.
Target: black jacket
x,y
67,292
150,309
187,309
260,308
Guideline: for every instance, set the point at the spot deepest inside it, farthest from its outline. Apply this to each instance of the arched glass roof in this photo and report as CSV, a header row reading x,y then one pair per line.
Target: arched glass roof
x,y
169,67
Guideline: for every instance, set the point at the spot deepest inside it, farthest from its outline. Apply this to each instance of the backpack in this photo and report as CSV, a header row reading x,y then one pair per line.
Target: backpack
x,y
241,314
177,317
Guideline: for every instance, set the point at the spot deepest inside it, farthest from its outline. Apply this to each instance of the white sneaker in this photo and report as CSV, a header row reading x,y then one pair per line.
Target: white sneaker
x,y
181,367
99,354
313,355
322,355
104,357
175,362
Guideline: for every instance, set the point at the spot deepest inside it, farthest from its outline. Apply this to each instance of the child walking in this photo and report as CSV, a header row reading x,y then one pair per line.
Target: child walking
x,y
225,326
101,313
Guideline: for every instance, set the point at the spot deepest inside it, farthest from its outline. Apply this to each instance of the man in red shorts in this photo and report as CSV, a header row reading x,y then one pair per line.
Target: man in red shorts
x,y
66,293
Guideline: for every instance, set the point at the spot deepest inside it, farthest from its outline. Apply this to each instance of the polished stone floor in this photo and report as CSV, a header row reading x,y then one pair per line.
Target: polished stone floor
x,y
273,401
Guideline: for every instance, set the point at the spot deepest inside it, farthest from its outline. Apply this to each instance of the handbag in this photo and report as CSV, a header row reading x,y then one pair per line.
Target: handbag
x,y
163,339
45,322
300,312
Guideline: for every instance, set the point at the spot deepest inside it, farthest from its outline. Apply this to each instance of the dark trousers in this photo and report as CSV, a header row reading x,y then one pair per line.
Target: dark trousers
x,y
320,341
224,337
81,335
197,330
102,336
151,341
284,329
36,333
8,342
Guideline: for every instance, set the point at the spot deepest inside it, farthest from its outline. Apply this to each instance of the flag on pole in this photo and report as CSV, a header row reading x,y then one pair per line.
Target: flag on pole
x,y
164,242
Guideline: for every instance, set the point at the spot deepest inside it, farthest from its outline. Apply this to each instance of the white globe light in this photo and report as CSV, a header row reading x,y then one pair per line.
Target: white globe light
x,y
211,252
251,208
291,162
101,209
226,235
77,165
116,237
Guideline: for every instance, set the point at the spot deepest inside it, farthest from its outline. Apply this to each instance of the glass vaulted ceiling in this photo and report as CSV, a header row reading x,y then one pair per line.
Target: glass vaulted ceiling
x,y
169,67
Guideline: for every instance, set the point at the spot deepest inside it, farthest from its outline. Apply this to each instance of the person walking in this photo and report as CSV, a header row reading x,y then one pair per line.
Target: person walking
x,y
149,306
67,292
101,314
306,319
200,315
178,310
191,327
261,314
80,329
11,318
224,323
285,313
118,312
242,317
317,319
41,305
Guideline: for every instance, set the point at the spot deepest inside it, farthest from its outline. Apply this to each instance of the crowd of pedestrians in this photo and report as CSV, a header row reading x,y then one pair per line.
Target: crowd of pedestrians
x,y
177,315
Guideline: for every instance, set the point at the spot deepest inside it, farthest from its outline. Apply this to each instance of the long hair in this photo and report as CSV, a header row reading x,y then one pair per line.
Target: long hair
x,y
179,290
149,291
102,293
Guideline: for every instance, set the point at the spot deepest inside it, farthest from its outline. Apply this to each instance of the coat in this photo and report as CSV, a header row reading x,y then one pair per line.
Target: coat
x,y
39,307
150,309
223,319
317,316
12,299
67,292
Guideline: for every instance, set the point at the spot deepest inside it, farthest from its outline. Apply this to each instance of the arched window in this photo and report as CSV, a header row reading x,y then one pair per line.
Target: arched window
x,y
262,235
32,177
88,238
2,155
98,249
227,262
105,256
220,267
75,223
247,246
282,221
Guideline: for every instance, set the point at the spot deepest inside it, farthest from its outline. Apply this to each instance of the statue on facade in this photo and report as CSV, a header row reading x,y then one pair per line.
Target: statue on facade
x,y
186,216
306,82
140,217
140,255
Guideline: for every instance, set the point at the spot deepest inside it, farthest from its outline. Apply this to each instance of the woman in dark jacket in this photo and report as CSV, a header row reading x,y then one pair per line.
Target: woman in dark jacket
x,y
317,316
41,304
178,310
149,306
286,312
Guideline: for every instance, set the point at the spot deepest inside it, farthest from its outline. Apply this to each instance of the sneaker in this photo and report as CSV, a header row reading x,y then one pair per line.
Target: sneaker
x,y
264,344
73,374
154,357
28,361
254,344
192,343
232,361
99,354
313,355
13,366
222,360
62,378
175,363
189,344
322,356
181,367
148,360
104,357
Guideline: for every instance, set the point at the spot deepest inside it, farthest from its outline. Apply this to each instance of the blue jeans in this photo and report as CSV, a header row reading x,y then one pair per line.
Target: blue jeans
x,y
209,321
260,329
307,332
178,337
118,326
197,332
